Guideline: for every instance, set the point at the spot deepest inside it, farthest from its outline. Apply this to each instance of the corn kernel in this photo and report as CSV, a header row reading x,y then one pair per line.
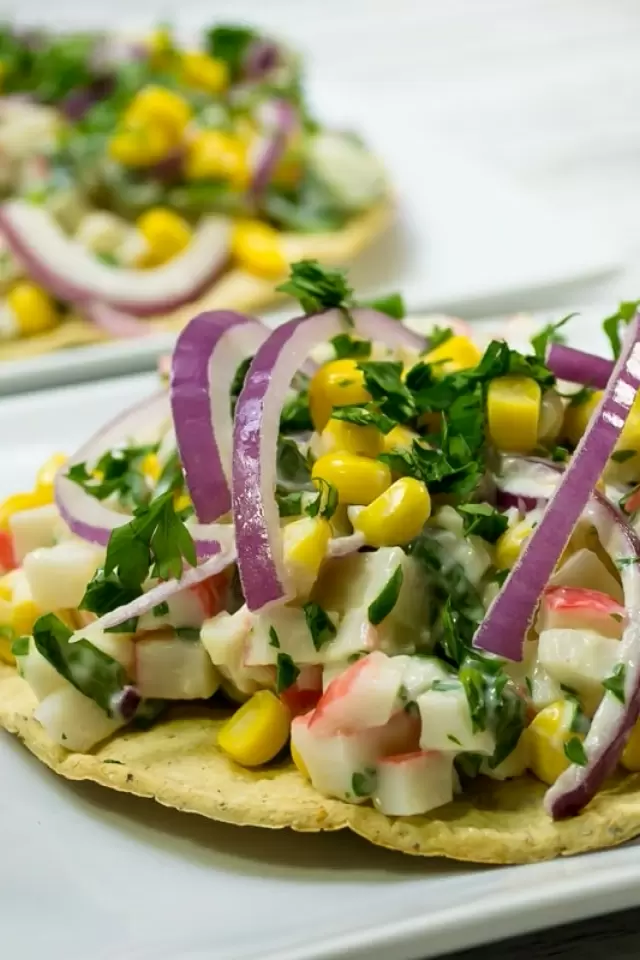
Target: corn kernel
x,y
399,438
509,544
258,248
181,502
299,762
631,753
357,479
456,353
138,145
204,72
166,233
215,155
513,409
396,516
304,544
334,384
546,736
24,614
576,418
46,475
151,467
156,107
18,502
257,731
341,435
6,590
34,311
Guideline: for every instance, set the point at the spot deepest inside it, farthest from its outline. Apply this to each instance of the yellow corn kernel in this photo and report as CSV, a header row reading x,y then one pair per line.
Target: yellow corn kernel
x,y
299,762
166,233
156,107
334,384
576,418
304,545
357,479
34,311
456,353
215,155
18,502
257,731
181,502
6,591
513,409
23,616
546,737
341,435
399,438
47,473
509,544
396,516
257,247
631,753
140,145
204,72
151,467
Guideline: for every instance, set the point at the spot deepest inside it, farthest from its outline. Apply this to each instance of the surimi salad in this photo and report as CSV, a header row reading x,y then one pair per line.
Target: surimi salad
x,y
404,563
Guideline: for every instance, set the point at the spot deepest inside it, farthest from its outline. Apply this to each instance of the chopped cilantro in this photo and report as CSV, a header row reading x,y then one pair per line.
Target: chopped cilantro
x,y
392,305
118,471
438,336
453,739
20,646
188,633
548,335
611,325
326,502
364,415
614,683
575,752
473,682
317,288
238,382
320,624
171,476
622,562
581,396
105,593
559,454
386,600
296,415
286,672
529,685
346,346
108,760
230,43
274,640
161,609
292,466
621,456
364,783
289,504
383,380
483,520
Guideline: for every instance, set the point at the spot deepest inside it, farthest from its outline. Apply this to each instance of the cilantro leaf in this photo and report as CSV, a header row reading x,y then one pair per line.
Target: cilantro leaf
x,y
292,466
289,504
274,639
383,380
363,783
381,607
621,456
611,325
320,624
238,381
364,415
614,683
346,347
118,471
438,336
326,502
316,287
483,520
286,672
20,646
575,752
105,593
392,305
548,335
231,43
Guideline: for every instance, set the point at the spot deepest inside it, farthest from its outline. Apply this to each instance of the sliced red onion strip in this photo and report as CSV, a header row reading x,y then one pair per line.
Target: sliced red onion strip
x,y
523,482
114,321
503,630
206,357
255,512
578,367
67,270
613,721
220,558
279,119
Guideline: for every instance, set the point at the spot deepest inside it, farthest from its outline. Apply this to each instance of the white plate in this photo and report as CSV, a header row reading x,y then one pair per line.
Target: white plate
x,y
86,872
466,241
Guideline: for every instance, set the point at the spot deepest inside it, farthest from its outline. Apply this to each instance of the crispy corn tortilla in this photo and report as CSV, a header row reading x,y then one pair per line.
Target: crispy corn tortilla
x,y
177,764
235,290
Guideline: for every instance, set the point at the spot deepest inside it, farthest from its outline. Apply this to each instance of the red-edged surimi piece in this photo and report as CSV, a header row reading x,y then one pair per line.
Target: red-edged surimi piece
x,y
574,608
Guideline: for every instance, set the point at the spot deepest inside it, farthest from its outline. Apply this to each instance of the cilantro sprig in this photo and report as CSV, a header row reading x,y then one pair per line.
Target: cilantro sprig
x,y
118,471
318,288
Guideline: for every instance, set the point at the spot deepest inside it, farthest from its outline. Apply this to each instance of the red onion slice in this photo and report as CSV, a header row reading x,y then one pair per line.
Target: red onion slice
x,y
68,271
255,510
206,357
217,561
613,721
578,367
279,119
503,630
523,482
114,321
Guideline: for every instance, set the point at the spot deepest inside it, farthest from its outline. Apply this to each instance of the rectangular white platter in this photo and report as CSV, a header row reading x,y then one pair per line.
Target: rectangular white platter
x,y
89,873
466,239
